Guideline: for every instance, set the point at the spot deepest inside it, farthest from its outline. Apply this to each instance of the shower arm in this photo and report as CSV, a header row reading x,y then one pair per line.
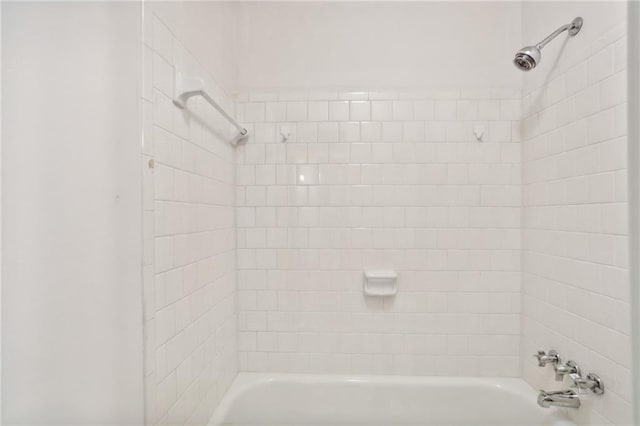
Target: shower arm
x,y
573,28
553,35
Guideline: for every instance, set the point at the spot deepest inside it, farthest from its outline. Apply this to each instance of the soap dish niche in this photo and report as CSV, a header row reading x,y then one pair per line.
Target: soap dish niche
x,y
380,283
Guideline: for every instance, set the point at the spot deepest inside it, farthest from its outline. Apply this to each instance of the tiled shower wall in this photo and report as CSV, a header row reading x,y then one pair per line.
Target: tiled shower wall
x,y
189,240
433,184
331,184
575,284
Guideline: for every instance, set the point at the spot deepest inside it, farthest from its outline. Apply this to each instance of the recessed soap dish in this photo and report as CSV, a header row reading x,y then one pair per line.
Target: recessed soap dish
x,y
380,283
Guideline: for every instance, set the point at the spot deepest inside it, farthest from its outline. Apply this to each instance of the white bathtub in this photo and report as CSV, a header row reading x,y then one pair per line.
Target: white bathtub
x,y
288,399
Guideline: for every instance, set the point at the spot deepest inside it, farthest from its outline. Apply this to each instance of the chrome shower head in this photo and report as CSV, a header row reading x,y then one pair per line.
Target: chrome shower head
x,y
528,57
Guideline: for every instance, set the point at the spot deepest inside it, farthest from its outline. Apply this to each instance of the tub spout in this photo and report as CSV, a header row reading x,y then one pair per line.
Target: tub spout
x,y
563,398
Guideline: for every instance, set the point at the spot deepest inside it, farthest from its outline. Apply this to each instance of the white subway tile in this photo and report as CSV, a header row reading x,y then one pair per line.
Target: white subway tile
x,y
350,132
467,110
423,110
381,110
318,111
600,65
339,111
360,111
275,111
446,110
402,110
613,90
162,75
296,111
490,109
162,39
327,132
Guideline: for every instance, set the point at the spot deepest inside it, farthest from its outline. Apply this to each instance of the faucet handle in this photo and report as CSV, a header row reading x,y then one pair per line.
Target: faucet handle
x,y
540,354
550,358
570,367
592,382
576,379
598,386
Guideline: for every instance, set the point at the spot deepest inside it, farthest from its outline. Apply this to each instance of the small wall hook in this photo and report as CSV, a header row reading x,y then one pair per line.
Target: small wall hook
x,y
285,132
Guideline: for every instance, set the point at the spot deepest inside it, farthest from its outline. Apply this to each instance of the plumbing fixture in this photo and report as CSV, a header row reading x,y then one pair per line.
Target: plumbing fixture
x,y
528,57
567,398
570,367
562,398
592,382
551,358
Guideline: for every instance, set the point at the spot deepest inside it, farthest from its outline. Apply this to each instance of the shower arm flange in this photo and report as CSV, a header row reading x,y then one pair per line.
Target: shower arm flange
x,y
573,28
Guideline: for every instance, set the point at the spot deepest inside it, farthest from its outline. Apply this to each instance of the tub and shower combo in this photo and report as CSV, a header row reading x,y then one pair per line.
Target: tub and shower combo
x,y
256,399
318,213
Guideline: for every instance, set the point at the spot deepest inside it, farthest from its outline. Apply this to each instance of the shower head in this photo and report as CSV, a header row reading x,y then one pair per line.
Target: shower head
x,y
528,57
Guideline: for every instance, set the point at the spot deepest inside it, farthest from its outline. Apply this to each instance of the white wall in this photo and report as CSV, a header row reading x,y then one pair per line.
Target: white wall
x,y
303,245
575,247
190,285
71,199
377,44
392,180
208,31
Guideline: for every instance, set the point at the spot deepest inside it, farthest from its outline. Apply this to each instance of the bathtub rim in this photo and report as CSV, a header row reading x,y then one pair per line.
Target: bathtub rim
x,y
246,381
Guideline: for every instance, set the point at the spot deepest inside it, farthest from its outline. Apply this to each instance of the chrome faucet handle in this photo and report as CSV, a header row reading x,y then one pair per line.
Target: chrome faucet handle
x,y
570,367
551,358
592,382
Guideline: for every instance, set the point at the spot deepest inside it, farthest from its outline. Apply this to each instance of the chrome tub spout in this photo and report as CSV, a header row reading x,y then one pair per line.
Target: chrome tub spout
x,y
563,398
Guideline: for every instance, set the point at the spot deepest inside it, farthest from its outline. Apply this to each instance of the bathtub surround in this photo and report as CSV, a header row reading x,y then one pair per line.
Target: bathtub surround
x,y
299,239
190,286
575,247
380,180
433,184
